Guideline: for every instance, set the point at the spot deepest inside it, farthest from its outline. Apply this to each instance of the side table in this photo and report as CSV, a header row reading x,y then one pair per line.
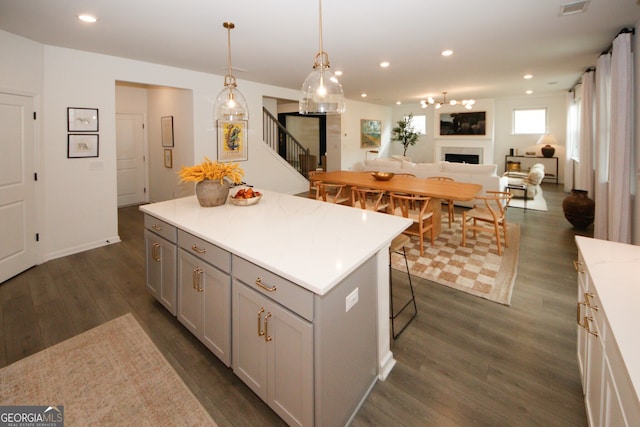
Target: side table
x,y
521,187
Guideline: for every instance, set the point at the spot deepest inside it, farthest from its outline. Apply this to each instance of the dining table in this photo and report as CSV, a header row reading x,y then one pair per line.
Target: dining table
x,y
407,184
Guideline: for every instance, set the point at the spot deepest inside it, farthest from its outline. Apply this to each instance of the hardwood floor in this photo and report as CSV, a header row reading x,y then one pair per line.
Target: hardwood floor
x,y
463,361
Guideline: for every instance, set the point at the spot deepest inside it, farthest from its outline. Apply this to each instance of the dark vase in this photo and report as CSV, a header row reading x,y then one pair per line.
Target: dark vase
x,y
579,209
548,151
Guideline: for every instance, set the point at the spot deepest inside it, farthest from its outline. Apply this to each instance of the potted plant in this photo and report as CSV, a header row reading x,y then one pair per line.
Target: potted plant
x,y
212,180
405,133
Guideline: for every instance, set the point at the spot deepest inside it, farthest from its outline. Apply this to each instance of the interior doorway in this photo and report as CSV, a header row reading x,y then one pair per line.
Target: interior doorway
x,y
18,234
310,131
131,169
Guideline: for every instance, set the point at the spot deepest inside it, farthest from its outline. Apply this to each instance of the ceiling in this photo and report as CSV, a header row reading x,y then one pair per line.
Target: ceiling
x,y
495,42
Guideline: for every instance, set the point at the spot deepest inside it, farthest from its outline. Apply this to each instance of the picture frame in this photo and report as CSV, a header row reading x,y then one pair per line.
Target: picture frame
x,y
168,158
232,140
166,127
370,133
80,145
82,119
463,123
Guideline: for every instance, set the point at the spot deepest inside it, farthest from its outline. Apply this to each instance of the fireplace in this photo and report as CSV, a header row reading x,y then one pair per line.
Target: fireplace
x,y
473,159
480,148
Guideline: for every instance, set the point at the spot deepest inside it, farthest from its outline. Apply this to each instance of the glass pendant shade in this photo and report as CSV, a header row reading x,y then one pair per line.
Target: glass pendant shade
x,y
321,92
230,103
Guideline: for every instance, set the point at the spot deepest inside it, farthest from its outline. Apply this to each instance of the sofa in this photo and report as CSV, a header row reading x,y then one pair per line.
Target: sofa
x,y
485,175
531,179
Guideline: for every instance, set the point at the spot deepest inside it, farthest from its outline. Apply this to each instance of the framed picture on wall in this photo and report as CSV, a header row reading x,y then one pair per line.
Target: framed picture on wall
x,y
370,133
82,145
232,140
82,119
168,158
166,125
454,124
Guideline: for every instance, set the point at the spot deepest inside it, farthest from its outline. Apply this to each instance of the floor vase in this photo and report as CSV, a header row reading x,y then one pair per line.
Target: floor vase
x,y
212,192
579,209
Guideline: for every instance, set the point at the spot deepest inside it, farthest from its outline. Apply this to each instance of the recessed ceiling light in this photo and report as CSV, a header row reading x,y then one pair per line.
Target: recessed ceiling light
x,y
528,76
384,64
398,102
529,92
338,73
87,18
447,52
364,95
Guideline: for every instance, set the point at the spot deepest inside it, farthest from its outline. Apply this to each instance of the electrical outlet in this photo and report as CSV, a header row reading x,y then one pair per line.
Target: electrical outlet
x,y
351,300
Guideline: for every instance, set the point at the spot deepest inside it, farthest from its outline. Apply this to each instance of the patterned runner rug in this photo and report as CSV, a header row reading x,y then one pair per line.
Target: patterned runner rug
x,y
110,375
476,269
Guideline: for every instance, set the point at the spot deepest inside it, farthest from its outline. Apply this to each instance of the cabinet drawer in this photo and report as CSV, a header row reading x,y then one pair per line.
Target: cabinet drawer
x,y
161,228
205,250
290,295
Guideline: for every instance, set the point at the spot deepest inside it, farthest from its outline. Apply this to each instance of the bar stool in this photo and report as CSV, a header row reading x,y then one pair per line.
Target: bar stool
x,y
398,246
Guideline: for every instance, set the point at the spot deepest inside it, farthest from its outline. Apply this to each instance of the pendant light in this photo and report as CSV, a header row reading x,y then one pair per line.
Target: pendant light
x,y
230,103
321,91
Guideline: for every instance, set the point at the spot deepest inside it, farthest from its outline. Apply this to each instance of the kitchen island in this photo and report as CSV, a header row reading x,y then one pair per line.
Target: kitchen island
x,y
292,293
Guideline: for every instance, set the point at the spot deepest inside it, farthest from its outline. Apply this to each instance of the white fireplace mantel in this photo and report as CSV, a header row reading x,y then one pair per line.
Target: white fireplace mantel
x,y
482,147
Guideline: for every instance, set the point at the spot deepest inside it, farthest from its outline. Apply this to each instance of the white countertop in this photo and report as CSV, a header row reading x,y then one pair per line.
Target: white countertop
x,y
311,243
615,270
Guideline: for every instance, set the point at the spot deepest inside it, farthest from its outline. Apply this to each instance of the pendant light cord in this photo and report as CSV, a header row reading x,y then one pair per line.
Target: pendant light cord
x,y
229,80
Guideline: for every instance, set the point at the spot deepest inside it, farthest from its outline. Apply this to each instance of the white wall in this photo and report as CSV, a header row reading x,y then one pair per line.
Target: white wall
x,y
78,196
557,105
351,154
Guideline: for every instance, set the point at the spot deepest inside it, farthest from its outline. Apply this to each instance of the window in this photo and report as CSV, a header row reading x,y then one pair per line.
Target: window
x,y
419,124
529,121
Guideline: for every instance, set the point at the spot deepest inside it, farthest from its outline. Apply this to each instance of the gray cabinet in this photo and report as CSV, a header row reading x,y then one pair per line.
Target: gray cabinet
x,y
204,293
273,354
160,258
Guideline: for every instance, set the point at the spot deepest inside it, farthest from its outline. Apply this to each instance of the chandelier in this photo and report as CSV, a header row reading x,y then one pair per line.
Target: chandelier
x,y
321,91
466,103
230,103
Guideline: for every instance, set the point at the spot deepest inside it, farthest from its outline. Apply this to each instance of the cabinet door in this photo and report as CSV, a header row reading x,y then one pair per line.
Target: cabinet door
x,y
189,295
216,300
290,364
204,304
594,372
160,256
249,350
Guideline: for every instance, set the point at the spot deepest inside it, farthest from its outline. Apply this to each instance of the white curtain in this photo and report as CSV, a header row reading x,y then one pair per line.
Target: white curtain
x,y
620,153
584,167
573,138
603,125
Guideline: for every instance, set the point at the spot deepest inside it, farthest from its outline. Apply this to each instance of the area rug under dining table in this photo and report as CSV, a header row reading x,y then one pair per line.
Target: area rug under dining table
x,y
476,269
110,375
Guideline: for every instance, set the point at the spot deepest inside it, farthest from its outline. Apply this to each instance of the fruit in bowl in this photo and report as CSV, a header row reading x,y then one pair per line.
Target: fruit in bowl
x,y
246,196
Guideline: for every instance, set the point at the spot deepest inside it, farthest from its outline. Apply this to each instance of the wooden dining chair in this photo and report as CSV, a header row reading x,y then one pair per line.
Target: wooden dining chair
x,y
333,193
312,183
416,209
370,199
490,209
450,207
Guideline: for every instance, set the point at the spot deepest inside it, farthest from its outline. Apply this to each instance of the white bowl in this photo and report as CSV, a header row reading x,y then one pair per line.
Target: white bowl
x,y
245,202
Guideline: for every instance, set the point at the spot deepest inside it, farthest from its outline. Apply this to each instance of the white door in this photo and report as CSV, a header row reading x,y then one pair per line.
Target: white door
x,y
130,159
18,249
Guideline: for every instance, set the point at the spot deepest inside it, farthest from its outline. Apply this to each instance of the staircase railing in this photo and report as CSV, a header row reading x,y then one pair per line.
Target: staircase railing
x,y
286,145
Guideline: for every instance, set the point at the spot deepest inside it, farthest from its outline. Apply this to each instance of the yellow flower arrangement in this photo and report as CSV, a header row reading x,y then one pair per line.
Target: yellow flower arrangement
x,y
212,171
